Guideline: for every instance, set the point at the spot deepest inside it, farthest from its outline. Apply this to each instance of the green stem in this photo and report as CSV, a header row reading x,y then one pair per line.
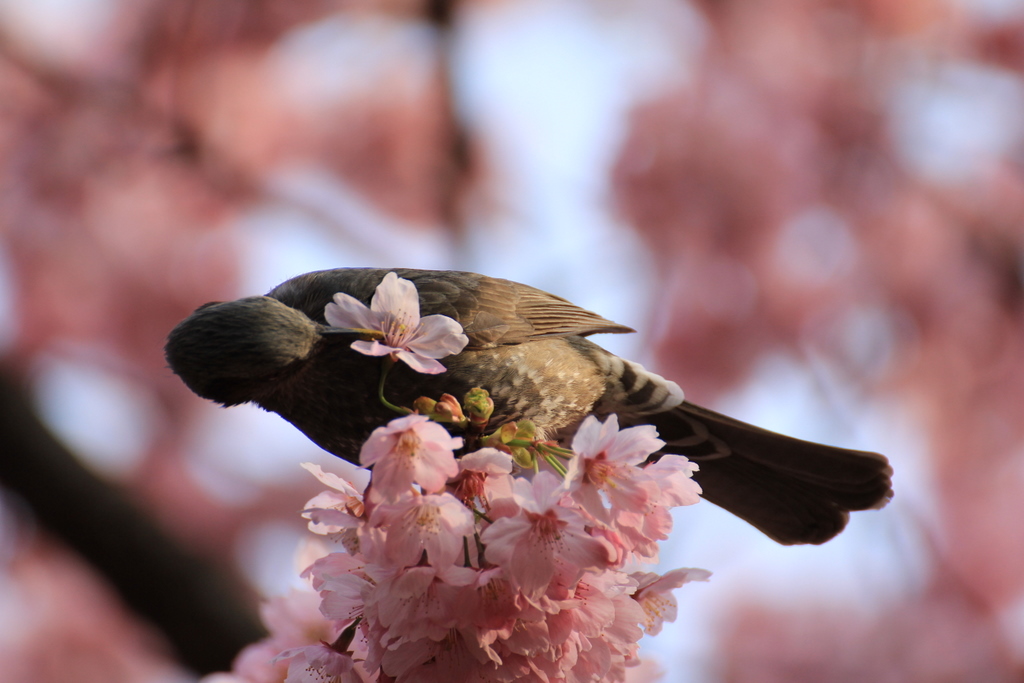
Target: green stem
x,y
556,464
547,449
385,368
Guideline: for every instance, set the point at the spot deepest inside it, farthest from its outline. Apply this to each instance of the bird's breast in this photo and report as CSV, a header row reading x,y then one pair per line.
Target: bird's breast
x,y
546,381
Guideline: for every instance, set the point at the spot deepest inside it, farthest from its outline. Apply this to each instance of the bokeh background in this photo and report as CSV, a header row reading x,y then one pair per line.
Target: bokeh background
x,y
812,210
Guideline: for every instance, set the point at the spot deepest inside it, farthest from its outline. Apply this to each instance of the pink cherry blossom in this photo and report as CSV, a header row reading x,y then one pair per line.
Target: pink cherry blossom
x,y
484,477
603,627
395,311
349,487
640,534
419,602
490,605
545,541
435,524
452,658
655,597
605,467
674,474
329,513
320,663
294,621
409,450
343,585
631,445
338,513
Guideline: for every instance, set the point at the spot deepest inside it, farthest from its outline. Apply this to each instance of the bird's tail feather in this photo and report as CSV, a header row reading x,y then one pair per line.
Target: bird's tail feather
x,y
794,491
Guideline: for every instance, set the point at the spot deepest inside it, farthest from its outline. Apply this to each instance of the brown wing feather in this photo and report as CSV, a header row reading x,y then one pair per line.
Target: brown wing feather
x,y
492,311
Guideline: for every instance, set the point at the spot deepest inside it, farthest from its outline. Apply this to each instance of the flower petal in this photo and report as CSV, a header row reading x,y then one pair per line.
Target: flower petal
x,y
373,348
348,311
591,436
438,336
398,297
420,363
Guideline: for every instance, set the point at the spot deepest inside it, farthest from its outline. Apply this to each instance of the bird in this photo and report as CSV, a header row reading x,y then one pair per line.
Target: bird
x,y
530,350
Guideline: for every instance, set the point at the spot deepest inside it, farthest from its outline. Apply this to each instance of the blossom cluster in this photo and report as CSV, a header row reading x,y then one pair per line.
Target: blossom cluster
x,y
471,569
515,562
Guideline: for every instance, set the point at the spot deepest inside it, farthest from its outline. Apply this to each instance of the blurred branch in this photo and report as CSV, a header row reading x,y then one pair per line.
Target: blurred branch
x,y
441,13
198,609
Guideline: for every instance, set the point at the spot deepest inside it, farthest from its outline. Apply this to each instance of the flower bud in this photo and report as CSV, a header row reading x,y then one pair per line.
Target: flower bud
x,y
526,430
424,405
523,457
507,432
448,410
479,406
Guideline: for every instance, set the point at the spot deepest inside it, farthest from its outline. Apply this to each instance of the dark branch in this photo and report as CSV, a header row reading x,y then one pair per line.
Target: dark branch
x,y
198,609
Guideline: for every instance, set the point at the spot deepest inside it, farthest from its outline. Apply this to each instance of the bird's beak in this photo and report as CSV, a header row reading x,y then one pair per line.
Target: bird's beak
x,y
350,332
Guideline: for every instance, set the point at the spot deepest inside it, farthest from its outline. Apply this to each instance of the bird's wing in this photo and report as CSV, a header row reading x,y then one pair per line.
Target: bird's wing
x,y
492,311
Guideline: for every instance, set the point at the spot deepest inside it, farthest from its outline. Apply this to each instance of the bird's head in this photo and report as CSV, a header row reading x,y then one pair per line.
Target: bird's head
x,y
231,351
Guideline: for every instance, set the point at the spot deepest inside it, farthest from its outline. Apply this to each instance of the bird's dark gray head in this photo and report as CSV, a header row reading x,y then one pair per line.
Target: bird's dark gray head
x,y
231,351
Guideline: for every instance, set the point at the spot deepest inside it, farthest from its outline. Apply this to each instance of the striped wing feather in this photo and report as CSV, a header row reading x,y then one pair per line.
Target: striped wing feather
x,y
492,311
